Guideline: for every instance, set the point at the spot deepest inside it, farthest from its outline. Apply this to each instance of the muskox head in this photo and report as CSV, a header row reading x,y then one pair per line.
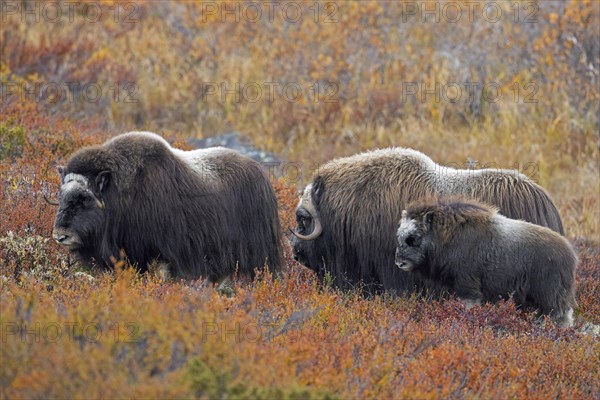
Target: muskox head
x,y
308,228
81,210
414,241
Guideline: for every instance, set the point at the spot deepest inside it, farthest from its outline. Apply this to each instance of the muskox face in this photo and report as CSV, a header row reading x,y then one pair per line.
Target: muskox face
x,y
308,230
302,249
81,210
413,242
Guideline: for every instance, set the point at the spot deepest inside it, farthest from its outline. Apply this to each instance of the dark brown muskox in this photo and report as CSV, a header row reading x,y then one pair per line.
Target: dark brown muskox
x,y
346,219
480,255
204,213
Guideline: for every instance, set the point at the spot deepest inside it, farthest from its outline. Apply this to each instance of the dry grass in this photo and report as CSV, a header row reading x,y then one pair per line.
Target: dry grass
x,y
124,335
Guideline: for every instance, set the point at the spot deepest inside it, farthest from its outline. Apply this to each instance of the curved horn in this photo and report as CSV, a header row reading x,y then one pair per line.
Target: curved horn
x,y
309,206
51,202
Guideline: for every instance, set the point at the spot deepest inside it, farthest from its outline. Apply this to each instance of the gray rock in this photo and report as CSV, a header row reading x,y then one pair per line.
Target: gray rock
x,y
236,141
590,329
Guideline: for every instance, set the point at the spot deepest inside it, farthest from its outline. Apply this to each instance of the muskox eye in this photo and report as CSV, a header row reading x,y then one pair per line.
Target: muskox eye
x,y
303,222
80,200
413,241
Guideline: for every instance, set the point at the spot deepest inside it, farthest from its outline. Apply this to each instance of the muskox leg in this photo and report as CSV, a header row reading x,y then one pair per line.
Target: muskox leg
x,y
83,275
225,285
469,303
563,319
160,269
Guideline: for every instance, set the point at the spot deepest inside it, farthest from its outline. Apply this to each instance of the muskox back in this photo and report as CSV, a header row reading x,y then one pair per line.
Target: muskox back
x,y
359,199
515,195
207,213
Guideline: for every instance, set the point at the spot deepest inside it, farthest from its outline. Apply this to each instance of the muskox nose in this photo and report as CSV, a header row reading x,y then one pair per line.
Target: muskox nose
x,y
60,235
60,238
398,258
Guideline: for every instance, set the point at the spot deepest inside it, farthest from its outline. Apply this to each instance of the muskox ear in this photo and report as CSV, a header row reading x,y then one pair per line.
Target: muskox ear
x,y
61,172
102,181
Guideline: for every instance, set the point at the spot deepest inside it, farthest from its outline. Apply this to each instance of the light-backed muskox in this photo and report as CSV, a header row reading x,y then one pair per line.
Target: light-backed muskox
x,y
480,255
204,213
347,217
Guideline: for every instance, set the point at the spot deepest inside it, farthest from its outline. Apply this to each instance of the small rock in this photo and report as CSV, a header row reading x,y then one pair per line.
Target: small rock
x,y
235,141
590,329
80,274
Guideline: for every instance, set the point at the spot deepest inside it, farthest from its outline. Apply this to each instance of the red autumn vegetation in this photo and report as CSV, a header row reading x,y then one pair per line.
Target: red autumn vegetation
x,y
68,331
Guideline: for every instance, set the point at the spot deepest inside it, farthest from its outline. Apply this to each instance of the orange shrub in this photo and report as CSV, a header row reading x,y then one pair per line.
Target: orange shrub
x,y
66,334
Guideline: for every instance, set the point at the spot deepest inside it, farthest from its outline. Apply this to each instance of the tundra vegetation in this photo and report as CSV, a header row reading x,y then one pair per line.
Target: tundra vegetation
x,y
67,331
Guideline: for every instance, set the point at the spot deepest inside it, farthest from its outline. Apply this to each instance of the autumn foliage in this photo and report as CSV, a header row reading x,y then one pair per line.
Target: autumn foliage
x,y
70,331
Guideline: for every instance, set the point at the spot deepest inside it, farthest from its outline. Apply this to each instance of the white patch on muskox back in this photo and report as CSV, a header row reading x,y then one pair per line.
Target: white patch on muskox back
x,y
448,180
392,154
200,160
148,134
463,180
426,164
196,159
397,152
507,228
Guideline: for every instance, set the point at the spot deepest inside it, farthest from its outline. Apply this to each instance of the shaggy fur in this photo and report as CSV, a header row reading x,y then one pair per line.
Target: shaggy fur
x,y
206,212
359,200
468,248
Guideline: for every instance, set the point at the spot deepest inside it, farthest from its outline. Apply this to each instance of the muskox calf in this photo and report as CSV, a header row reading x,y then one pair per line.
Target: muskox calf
x,y
480,255
203,213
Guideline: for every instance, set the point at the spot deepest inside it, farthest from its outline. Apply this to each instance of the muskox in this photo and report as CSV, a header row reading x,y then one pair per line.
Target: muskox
x,y
469,249
348,215
208,213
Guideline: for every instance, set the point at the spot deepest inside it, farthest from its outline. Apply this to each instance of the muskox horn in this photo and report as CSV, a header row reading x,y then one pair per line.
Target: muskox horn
x,y
309,206
51,202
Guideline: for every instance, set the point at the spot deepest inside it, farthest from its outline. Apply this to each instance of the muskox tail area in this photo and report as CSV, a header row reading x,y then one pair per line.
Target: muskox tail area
x,y
260,212
552,284
517,197
240,213
547,209
273,248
